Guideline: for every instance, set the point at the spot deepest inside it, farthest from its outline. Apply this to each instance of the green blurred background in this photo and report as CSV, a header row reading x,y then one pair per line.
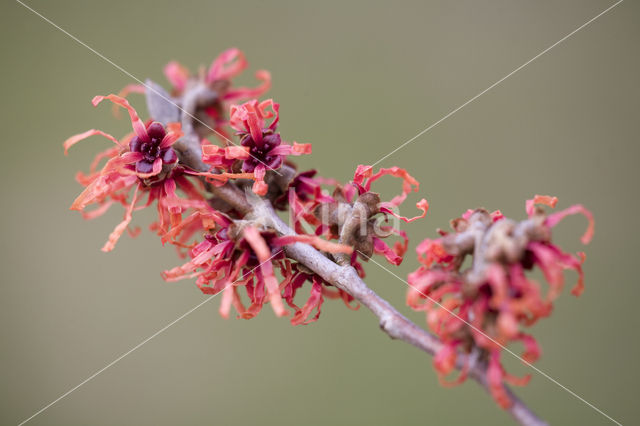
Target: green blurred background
x,y
356,79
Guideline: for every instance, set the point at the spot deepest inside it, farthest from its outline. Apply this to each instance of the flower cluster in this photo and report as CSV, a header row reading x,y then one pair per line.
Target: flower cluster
x,y
264,147
219,79
226,252
223,69
237,255
353,214
211,197
141,162
482,309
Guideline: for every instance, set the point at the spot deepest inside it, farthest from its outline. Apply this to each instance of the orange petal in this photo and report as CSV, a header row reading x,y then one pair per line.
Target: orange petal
x,y
317,242
136,122
554,218
117,232
79,137
540,199
264,255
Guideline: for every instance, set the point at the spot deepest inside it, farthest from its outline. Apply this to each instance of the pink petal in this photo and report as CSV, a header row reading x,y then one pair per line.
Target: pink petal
x,y
317,242
227,65
246,93
555,218
120,228
263,253
422,205
444,363
129,88
270,109
177,74
314,302
97,212
236,152
79,137
540,199
138,125
227,300
362,173
380,247
494,381
170,138
409,183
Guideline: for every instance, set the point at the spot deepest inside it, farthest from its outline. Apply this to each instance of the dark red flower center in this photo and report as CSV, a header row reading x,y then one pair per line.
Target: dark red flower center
x,y
260,153
151,149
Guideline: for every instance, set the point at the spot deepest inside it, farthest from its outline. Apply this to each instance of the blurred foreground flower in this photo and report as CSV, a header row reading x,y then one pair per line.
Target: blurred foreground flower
x,y
481,309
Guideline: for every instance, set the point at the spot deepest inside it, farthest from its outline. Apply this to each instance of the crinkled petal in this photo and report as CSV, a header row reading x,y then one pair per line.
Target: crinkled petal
x,y
380,247
174,133
227,65
259,186
236,94
126,90
494,381
177,75
430,251
362,173
540,199
317,242
136,122
444,363
97,212
409,183
117,232
555,218
79,137
421,205
264,255
531,348
314,302
295,149
270,109
421,282
221,177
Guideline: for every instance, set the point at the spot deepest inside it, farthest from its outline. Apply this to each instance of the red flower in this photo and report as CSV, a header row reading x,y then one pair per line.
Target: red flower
x,y
223,160
228,65
266,150
303,195
362,181
223,69
295,277
230,257
309,202
143,161
485,307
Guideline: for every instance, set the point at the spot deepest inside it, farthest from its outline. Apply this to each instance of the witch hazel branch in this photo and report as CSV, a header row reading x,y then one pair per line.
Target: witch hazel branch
x,y
212,162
